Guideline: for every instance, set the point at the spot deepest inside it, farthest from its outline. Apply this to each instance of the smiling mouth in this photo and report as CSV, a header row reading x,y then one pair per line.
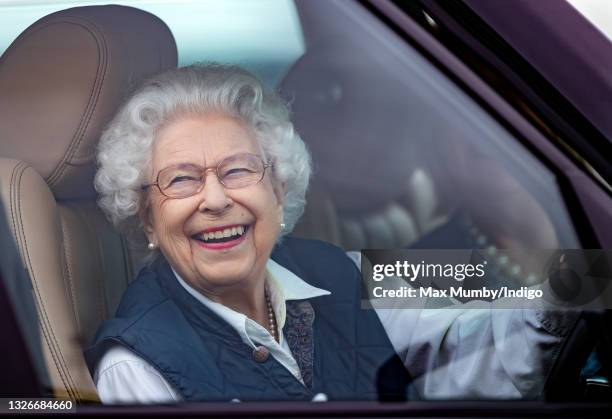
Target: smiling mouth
x,y
222,236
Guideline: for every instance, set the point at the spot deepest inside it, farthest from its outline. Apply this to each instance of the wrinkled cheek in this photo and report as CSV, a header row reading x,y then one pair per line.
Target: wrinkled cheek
x,y
177,244
264,239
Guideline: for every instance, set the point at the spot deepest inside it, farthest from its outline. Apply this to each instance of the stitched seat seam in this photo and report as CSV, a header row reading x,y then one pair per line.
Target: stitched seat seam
x,y
52,342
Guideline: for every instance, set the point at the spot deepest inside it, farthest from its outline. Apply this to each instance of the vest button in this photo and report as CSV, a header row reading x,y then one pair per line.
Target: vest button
x,y
261,354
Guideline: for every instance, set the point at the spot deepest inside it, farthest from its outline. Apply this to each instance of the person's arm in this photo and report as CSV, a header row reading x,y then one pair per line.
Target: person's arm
x,y
475,350
475,353
123,377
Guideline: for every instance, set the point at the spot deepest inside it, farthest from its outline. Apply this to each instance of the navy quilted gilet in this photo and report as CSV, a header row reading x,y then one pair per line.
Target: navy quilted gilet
x,y
206,360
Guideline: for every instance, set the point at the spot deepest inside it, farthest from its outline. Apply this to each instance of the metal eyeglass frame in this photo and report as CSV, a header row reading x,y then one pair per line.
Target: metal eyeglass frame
x,y
205,171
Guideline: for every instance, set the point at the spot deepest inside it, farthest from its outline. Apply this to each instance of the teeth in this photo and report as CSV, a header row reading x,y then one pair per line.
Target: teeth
x,y
228,232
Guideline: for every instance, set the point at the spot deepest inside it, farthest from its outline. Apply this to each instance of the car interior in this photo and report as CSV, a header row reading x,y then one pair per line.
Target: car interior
x,y
54,104
62,79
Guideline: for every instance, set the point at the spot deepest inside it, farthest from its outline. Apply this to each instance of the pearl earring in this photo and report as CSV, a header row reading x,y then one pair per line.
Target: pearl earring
x,y
282,226
151,246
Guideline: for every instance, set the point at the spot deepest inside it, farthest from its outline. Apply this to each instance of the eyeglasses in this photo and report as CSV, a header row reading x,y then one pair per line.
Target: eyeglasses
x,y
234,172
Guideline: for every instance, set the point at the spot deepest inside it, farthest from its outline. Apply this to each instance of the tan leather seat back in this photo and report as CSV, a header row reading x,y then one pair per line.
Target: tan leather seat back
x,y
369,188
60,82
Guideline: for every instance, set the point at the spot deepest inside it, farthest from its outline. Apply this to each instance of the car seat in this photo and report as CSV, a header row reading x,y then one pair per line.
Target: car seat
x,y
61,81
353,108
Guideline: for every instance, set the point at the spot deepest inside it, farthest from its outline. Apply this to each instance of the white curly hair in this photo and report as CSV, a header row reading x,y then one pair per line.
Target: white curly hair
x,y
124,150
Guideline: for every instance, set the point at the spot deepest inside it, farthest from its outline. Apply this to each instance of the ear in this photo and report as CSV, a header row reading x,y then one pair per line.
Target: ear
x,y
150,233
279,191
147,225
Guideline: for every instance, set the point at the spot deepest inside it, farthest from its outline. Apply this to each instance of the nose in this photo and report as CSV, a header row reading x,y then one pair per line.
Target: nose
x,y
213,194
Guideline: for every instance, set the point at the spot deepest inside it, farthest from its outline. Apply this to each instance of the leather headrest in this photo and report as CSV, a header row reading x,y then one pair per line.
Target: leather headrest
x,y
359,121
62,80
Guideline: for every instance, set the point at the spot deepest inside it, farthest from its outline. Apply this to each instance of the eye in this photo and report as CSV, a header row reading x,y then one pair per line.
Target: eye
x,y
237,171
183,178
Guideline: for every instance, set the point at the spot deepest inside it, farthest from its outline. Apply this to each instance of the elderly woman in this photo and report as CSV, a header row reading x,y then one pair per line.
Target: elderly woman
x,y
229,309
211,166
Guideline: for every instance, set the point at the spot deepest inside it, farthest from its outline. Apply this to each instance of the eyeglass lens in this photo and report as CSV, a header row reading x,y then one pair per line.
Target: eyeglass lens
x,y
237,171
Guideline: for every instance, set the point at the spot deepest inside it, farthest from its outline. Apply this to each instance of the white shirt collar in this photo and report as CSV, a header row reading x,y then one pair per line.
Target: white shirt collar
x,y
293,287
283,285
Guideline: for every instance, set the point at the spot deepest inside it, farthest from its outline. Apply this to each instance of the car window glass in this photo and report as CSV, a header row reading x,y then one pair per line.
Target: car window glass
x,y
423,153
403,158
263,36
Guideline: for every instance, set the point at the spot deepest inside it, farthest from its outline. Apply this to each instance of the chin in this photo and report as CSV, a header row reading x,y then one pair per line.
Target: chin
x,y
224,276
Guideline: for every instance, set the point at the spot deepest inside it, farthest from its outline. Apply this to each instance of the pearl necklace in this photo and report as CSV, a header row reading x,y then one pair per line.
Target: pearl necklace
x,y
271,317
